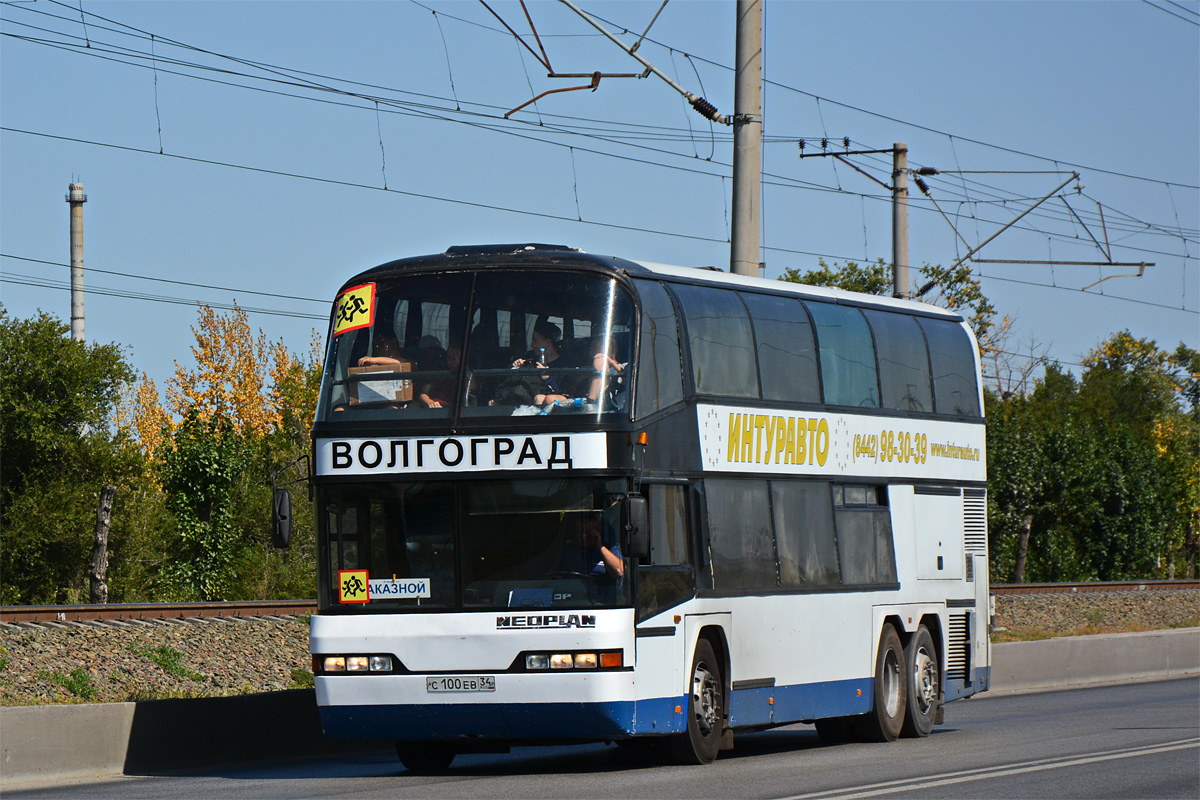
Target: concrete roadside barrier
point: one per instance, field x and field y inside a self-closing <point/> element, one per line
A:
<point x="1070" y="661"/>
<point x="48" y="745"/>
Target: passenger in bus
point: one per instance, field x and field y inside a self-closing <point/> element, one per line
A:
<point x="544" y="352"/>
<point x="440" y="392"/>
<point x="602" y="360"/>
<point x="593" y="549"/>
<point x="386" y="352"/>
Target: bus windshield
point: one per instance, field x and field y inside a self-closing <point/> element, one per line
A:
<point x="496" y="343"/>
<point x="428" y="545"/>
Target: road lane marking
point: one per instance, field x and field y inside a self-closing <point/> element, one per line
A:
<point x="964" y="776"/>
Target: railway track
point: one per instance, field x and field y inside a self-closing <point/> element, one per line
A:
<point x="1096" y="586"/>
<point x="118" y="612"/>
<point x="129" y="612"/>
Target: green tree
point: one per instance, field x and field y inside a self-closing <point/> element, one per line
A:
<point x="867" y="279"/>
<point x="56" y="397"/>
<point x="200" y="465"/>
<point x="1097" y="478"/>
<point x="248" y="404"/>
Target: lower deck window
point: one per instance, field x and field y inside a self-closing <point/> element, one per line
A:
<point x="764" y="535"/>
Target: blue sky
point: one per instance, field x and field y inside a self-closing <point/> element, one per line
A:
<point x="279" y="124"/>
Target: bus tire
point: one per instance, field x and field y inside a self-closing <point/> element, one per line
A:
<point x="699" y="743"/>
<point x="890" y="693"/>
<point x="924" y="687"/>
<point x="424" y="757"/>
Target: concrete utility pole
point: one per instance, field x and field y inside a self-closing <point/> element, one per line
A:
<point x="76" y="198"/>
<point x="900" y="221"/>
<point x="747" y="141"/>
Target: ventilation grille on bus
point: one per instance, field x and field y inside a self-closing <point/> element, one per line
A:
<point x="975" y="521"/>
<point x="958" y="647"/>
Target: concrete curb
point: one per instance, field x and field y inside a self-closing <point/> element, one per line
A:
<point x="50" y="745"/>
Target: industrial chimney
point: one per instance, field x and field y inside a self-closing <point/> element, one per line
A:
<point x="76" y="198"/>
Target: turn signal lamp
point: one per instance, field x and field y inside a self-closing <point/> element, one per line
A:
<point x="611" y="660"/>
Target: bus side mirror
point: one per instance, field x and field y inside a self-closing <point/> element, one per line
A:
<point x="637" y="525"/>
<point x="281" y="519"/>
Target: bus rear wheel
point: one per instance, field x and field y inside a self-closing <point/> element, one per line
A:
<point x="924" y="688"/>
<point x="705" y="710"/>
<point x="424" y="757"/>
<point x="886" y="717"/>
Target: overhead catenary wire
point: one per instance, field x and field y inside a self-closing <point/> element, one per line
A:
<point x="815" y="187"/>
<point x="417" y="195"/>
<point x="607" y="139"/>
<point x="628" y="158"/>
<point x="172" y="281"/>
<point x="699" y="58"/>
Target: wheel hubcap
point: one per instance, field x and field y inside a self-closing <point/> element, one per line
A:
<point x="891" y="683"/>
<point x="926" y="680"/>
<point x="704" y="699"/>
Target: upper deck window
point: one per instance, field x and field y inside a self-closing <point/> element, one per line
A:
<point x="395" y="348"/>
<point x="660" y="381"/>
<point x="903" y="361"/>
<point x="531" y="342"/>
<point x="548" y="343"/>
<point x="954" y="387"/>
<point x="787" y="354"/>
<point x="847" y="355"/>
<point x="721" y="343"/>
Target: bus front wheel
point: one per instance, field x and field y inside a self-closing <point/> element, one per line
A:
<point x="424" y="757"/>
<point x="886" y="718"/>
<point x="705" y="710"/>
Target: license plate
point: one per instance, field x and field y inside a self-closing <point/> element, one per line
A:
<point x="460" y="683"/>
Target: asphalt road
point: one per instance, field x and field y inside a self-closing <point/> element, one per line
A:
<point x="1140" y="740"/>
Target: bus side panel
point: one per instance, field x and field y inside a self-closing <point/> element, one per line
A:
<point x="659" y="677"/>
<point x="812" y="649"/>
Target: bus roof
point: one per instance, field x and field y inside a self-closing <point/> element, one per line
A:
<point x="534" y="254"/>
<point x="717" y="276"/>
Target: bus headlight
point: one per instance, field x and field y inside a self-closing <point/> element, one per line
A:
<point x="381" y="663"/>
<point x="585" y="661"/>
<point x="334" y="664"/>
<point x="537" y="661"/>
<point x="562" y="661"/>
<point x="356" y="664"/>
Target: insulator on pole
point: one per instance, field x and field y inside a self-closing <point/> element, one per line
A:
<point x="705" y="108"/>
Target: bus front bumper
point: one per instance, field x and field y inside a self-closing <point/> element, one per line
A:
<point x="597" y="706"/>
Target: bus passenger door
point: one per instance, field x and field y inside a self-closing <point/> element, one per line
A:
<point x="665" y="584"/>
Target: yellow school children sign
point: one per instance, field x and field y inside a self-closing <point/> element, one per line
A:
<point x="354" y="309"/>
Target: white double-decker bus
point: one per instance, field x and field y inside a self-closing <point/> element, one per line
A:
<point x="565" y="497"/>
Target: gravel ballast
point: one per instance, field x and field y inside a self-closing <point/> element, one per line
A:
<point x="116" y="662"/>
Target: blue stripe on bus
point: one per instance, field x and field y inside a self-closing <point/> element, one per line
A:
<point x="957" y="688"/>
<point x="801" y="701"/>
<point x="501" y="721"/>
<point x="613" y="720"/>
